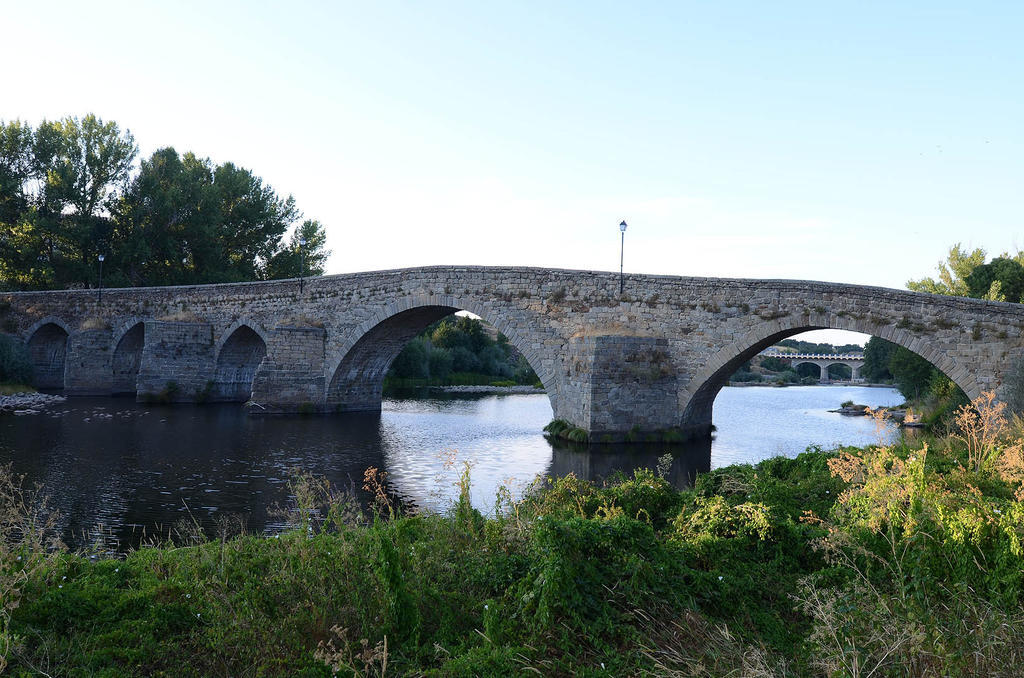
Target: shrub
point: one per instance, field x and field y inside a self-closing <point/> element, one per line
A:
<point x="15" y="361"/>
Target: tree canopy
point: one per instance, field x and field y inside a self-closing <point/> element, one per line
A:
<point x="966" y="274"/>
<point x="70" y="191"/>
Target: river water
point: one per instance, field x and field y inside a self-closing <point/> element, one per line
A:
<point x="118" y="471"/>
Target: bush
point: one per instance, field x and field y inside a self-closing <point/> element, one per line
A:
<point x="15" y="361"/>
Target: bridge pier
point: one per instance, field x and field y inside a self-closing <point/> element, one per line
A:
<point x="291" y="377"/>
<point x="177" y="361"/>
<point x="87" y="369"/>
<point x="617" y="384"/>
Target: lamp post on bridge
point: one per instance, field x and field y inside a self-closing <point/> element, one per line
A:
<point x="622" y="256"/>
<point x="99" y="290"/>
<point x="302" y="263"/>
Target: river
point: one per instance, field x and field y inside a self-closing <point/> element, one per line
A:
<point x="118" y="471"/>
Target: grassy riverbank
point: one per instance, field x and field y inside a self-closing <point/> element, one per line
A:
<point x="905" y="559"/>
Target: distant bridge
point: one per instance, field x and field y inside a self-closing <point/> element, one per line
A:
<point x="652" y="357"/>
<point x="822" y="360"/>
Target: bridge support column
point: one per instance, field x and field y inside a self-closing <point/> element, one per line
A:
<point x="291" y="377"/>
<point x="618" y="384"/>
<point x="87" y="369"/>
<point x="177" y="362"/>
<point x="823" y="379"/>
<point x="855" y="372"/>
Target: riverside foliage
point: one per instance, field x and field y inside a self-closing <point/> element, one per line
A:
<point x="459" y="350"/>
<point x="884" y="561"/>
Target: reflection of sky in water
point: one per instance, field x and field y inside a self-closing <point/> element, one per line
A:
<point x="133" y="467"/>
<point x="498" y="436"/>
<point x="757" y="422"/>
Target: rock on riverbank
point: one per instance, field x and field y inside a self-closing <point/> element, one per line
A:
<point x="28" y="403"/>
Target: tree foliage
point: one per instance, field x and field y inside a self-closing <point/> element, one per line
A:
<point x="69" y="191"/>
<point x="460" y="344"/>
<point x="877" y="353"/>
<point x="965" y="274"/>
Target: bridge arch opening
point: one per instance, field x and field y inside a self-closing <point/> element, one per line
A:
<point x="708" y="382"/>
<point x="355" y="377"/>
<point x="237" y="361"/>
<point x="127" y="359"/>
<point x="48" y="347"/>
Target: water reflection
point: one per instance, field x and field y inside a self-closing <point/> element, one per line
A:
<point x="598" y="465"/>
<point x="116" y="469"/>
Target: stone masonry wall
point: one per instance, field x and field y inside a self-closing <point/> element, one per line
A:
<point x="177" y="361"/>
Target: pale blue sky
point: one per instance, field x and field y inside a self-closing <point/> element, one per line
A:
<point x="850" y="142"/>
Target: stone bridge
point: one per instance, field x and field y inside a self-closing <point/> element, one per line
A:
<point x="651" y="358"/>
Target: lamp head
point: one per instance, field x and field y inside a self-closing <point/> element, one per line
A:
<point x="302" y="242"/>
<point x="101" y="257"/>
<point x="622" y="226"/>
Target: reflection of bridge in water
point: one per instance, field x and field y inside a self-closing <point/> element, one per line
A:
<point x="823" y="360"/>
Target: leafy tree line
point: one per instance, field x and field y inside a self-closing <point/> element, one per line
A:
<point x="70" y="190"/>
<point x="459" y="345"/>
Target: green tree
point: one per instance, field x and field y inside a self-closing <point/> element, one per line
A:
<point x="293" y="260"/>
<point x="912" y="374"/>
<point x="953" y="273"/>
<point x="57" y="183"/>
<point x="67" y="194"/>
<point x="877" y="353"/>
<point x="1002" y="279"/>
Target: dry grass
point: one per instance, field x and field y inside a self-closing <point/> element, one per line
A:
<point x="980" y="426"/>
<point x="95" y="324"/>
<point x="302" y="321"/>
<point x="693" y="647"/>
<point x="181" y="316"/>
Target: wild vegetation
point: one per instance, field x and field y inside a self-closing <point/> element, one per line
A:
<point x="70" y="191"/>
<point x="15" y="361"/>
<point x="900" y="560"/>
<point x="459" y="350"/>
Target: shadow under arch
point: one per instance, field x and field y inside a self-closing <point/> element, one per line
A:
<point x="47" y="343"/>
<point x="126" y="358"/>
<point x="699" y="396"/>
<point x="355" y="372"/>
<point x="239" y="354"/>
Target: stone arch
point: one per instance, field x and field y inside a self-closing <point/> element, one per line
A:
<point x="239" y="355"/>
<point x="229" y="332"/>
<point x="126" y="358"/>
<point x="355" y="369"/>
<point x="698" y="397"/>
<point x="48" y="347"/>
<point x="48" y="320"/>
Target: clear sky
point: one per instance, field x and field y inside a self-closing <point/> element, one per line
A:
<point x="849" y="142"/>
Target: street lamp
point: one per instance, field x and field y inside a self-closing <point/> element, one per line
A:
<point x="99" y="291"/>
<point x="622" y="254"/>
<point x="302" y="263"/>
